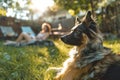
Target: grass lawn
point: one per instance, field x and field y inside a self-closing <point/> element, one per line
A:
<point x="31" y="62"/>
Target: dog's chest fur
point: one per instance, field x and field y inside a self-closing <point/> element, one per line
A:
<point x="95" y="54"/>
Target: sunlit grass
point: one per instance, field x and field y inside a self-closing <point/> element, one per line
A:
<point x="31" y="62"/>
<point x="114" y="45"/>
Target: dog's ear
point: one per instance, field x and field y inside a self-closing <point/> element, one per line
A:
<point x="88" y="16"/>
<point x="77" y="20"/>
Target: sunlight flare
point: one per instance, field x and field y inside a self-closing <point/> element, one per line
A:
<point x="41" y="5"/>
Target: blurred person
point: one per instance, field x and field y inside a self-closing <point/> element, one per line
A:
<point x="27" y="37"/>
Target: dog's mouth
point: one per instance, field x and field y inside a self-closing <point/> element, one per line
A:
<point x="71" y="40"/>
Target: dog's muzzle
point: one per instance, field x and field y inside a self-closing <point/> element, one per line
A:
<point x="63" y="39"/>
<point x="67" y="39"/>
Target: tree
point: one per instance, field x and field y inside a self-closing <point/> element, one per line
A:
<point x="79" y="5"/>
<point x="2" y="12"/>
<point x="15" y="6"/>
<point x="108" y="11"/>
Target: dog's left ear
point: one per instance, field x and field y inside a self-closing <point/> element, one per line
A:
<point x="88" y="16"/>
<point x="77" y="20"/>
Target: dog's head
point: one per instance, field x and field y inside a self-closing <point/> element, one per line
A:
<point x="87" y="27"/>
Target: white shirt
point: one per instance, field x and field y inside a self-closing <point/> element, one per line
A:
<point x="42" y="36"/>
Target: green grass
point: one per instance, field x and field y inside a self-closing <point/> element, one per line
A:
<point x="114" y="45"/>
<point x="31" y="62"/>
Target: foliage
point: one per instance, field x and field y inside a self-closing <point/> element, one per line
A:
<point x="15" y="6"/>
<point x="2" y="12"/>
<point x="32" y="62"/>
<point x="75" y="5"/>
<point x="81" y="5"/>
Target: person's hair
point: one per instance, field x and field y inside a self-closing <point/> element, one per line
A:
<point x="48" y="26"/>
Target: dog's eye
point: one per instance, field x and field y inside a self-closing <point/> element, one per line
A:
<point x="79" y="31"/>
<point x="76" y="33"/>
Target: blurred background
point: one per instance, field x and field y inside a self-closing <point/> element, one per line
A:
<point x="32" y="62"/>
<point x="17" y="13"/>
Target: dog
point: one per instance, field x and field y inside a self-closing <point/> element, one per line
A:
<point x="89" y="59"/>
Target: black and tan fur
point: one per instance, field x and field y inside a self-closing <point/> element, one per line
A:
<point x="83" y="63"/>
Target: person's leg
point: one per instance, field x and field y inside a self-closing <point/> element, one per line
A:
<point x="9" y="42"/>
<point x="23" y="36"/>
